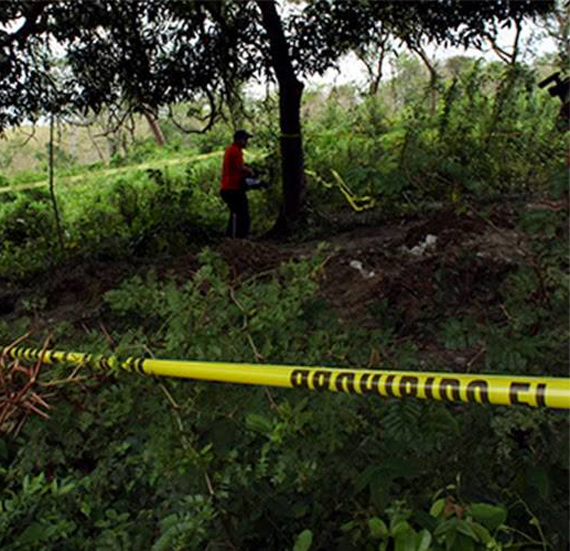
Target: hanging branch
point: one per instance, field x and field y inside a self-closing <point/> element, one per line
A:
<point x="209" y="119"/>
<point x="51" y="186"/>
<point x="116" y="120"/>
<point x="372" y="56"/>
<point x="433" y="74"/>
<point x="510" y="58"/>
<point x="30" y="136"/>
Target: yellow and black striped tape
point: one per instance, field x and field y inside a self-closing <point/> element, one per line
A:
<point x="551" y="392"/>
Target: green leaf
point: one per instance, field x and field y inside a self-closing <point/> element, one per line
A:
<point x="300" y="510"/>
<point x="445" y="527"/>
<point x="401" y="527"/>
<point x="406" y="541"/>
<point x="482" y="533"/>
<point x="423" y="541"/>
<point x="258" y="423"/>
<point x="85" y="508"/>
<point x="348" y="526"/>
<point x="437" y="508"/>
<point x="365" y="478"/>
<point x="450" y="538"/>
<point x="304" y="541"/>
<point x="378" y="528"/>
<point x="491" y="516"/>
<point x="464" y="528"/>
<point x="534" y="522"/>
<point x="66" y="488"/>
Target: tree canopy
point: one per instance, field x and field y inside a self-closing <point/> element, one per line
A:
<point x="85" y="54"/>
<point x="162" y="51"/>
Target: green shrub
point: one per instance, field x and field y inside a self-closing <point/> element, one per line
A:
<point x="176" y="462"/>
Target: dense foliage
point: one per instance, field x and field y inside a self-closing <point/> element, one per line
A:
<point x="157" y="52"/>
<point x="493" y="133"/>
<point x="127" y="462"/>
<point x="146" y="54"/>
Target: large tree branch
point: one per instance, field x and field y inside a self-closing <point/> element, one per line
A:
<point x="508" y="57"/>
<point x="373" y="61"/>
<point x="209" y="120"/>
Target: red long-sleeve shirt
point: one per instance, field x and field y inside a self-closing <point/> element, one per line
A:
<point x="232" y="171"/>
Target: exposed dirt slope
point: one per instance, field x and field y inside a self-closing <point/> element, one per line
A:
<point x="421" y="272"/>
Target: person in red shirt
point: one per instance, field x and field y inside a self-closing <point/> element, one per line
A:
<point x="237" y="178"/>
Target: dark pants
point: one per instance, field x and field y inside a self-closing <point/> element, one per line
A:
<point x="238" y="224"/>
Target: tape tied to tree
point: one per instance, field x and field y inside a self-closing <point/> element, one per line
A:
<point x="358" y="203"/>
<point x="549" y="392"/>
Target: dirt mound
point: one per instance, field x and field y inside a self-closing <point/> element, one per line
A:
<point x="448" y="226"/>
<point x="373" y="275"/>
<point x="398" y="274"/>
<point x="247" y="258"/>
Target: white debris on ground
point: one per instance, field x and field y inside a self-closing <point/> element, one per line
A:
<point x="427" y="244"/>
<point x="357" y="265"/>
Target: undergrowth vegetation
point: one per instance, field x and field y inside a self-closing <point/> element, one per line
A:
<point x="485" y="139"/>
<point x="130" y="462"/>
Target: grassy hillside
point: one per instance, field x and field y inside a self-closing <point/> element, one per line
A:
<point x="120" y="461"/>
<point x="25" y="149"/>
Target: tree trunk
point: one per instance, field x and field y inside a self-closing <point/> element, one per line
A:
<point x="292" y="165"/>
<point x="372" y="56"/>
<point x="433" y="76"/>
<point x="154" y="126"/>
<point x="290" y="94"/>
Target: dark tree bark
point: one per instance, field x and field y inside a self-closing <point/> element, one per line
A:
<point x="433" y="75"/>
<point x="290" y="94"/>
<point x="510" y="58"/>
<point x="157" y="132"/>
<point x="372" y="56"/>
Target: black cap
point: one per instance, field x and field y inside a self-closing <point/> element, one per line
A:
<point x="241" y="135"/>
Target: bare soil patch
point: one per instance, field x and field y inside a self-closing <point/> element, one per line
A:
<point x="372" y="274"/>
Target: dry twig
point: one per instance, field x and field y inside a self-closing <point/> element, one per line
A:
<point x="24" y="392"/>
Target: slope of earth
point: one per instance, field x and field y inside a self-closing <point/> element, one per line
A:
<point x="411" y="276"/>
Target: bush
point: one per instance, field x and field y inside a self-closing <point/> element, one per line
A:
<point x="214" y="465"/>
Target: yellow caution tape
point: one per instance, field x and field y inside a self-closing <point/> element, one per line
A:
<point x="107" y="173"/>
<point x="366" y="201"/>
<point x="551" y="392"/>
<point x="359" y="204"/>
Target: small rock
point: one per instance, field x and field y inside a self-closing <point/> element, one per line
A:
<point x="357" y="265"/>
<point x="430" y="240"/>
